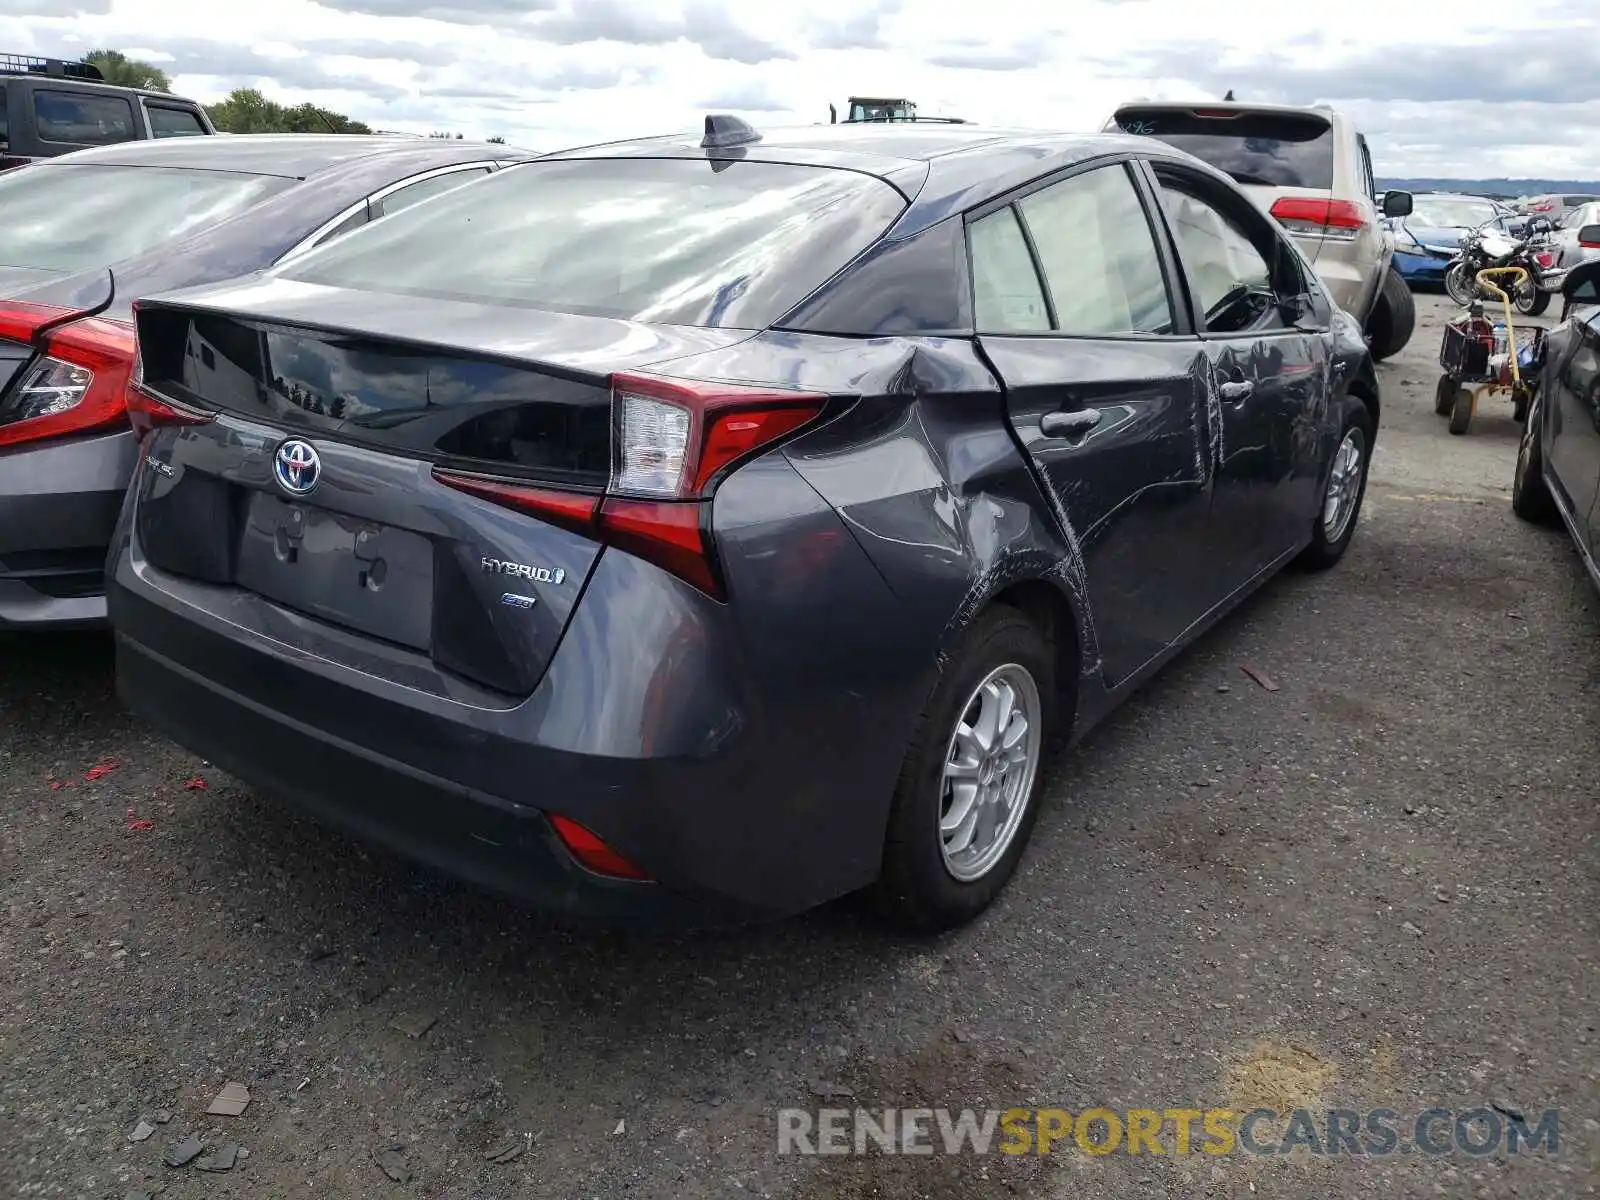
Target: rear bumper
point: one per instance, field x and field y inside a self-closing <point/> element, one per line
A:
<point x="481" y="839"/>
<point x="742" y="755"/>
<point x="58" y="506"/>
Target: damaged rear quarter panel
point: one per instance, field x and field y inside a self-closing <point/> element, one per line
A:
<point x="925" y="473"/>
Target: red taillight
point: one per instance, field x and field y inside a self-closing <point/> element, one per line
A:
<point x="1588" y="244"/>
<point x="675" y="439"/>
<point x="586" y="846"/>
<point x="1319" y="214"/>
<point x="76" y="384"/>
<point x="1545" y="259"/>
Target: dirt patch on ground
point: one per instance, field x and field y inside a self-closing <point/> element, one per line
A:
<point x="1279" y="1076"/>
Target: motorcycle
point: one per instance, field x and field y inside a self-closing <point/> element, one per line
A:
<point x="1487" y="247"/>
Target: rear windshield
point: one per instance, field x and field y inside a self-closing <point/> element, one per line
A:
<point x="1268" y="149"/>
<point x="63" y="217"/>
<point x="672" y="241"/>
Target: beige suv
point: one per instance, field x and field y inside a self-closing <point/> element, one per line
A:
<point x="1310" y="168"/>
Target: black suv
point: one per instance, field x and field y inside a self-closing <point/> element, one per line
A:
<point x="50" y="107"/>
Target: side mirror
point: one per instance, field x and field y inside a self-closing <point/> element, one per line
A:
<point x="1582" y="284"/>
<point x="1589" y="237"/>
<point x="1397" y="204"/>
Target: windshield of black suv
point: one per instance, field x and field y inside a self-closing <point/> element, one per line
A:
<point x="675" y="241"/>
<point x="70" y="217"/>
<point x="1265" y="148"/>
<point x="1451" y="212"/>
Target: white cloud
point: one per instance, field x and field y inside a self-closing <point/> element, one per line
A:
<point x="550" y="73"/>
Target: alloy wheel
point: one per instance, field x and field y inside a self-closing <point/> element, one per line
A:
<point x="1344" y="485"/>
<point x="990" y="763"/>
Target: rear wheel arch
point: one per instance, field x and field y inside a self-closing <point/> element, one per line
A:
<point x="1027" y="585"/>
<point x="1047" y="607"/>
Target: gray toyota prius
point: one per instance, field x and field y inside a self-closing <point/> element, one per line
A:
<point x="85" y="233"/>
<point x="700" y="528"/>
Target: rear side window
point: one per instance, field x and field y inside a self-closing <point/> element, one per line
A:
<point x="415" y="193"/>
<point x="174" y="122"/>
<point x="1007" y="297"/>
<point x="1098" y="255"/>
<point x="81" y="118"/>
<point x="1261" y="148"/>
<point x="5" y="121"/>
<point x="675" y="241"/>
<point x="75" y="216"/>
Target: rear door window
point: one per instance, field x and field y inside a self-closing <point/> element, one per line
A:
<point x="1262" y="148"/>
<point x="82" y="118"/>
<point x="174" y="122"/>
<point x="677" y="241"/>
<point x="1098" y="255"/>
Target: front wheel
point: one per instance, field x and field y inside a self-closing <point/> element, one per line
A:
<point x="1444" y="395"/>
<point x="968" y="793"/>
<point x="1335" y="522"/>
<point x="1460" y="282"/>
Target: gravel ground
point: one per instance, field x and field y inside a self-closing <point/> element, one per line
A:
<point x="1376" y="886"/>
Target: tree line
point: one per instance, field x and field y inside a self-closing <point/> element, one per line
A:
<point x="243" y="110"/>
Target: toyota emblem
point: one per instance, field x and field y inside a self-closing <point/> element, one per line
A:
<point x="297" y="467"/>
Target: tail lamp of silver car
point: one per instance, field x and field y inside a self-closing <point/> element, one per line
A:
<point x="1340" y="220"/>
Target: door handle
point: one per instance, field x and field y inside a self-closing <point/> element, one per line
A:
<point x="1069" y="424"/>
<point x="1237" y="391"/>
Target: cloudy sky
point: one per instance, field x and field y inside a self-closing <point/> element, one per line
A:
<point x="1471" y="88"/>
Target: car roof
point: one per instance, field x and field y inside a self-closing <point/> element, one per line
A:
<point x="943" y="168"/>
<point x="289" y="155"/>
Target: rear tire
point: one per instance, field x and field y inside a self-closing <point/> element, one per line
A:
<point x="1531" y="302"/>
<point x="1461" y="410"/>
<point x="1393" y="318"/>
<point x="1331" y="538"/>
<point x="919" y="888"/>
<point x="1530" y="494"/>
<point x="1444" y="395"/>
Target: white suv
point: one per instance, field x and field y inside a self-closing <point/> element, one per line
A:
<point x="1310" y="168"/>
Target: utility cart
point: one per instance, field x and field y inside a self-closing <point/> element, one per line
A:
<point x="1482" y="357"/>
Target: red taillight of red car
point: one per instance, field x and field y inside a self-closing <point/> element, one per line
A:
<point x="587" y="847"/>
<point x="1341" y="219"/>
<point x="675" y="439"/>
<point x="75" y="384"/>
<point x="82" y="380"/>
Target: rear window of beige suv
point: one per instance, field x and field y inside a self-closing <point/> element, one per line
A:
<point x="1260" y="148"/>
